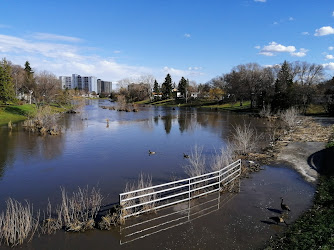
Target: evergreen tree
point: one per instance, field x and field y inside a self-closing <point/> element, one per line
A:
<point x="29" y="78"/>
<point x="283" y="96"/>
<point x="7" y="91"/>
<point x="182" y="87"/>
<point x="166" y="87"/>
<point x="156" y="88"/>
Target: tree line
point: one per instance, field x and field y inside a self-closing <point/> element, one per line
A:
<point x="17" y="82"/>
<point x="296" y="84"/>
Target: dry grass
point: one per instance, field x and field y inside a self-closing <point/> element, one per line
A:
<point x="17" y="223"/>
<point x="50" y="225"/>
<point x="245" y="139"/>
<point x="45" y="121"/>
<point x="223" y="158"/>
<point x="79" y="211"/>
<point x="145" y="181"/>
<point x="197" y="161"/>
<point x="290" y="117"/>
<point x="265" y="111"/>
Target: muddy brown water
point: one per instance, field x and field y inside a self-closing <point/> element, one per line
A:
<point x="90" y="153"/>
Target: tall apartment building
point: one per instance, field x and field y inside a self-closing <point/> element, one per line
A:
<point x="87" y="83"/>
<point x="66" y="82"/>
<point x="104" y="86"/>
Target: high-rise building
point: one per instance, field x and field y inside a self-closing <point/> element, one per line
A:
<point x="87" y="83"/>
<point x="104" y="86"/>
<point x="66" y="82"/>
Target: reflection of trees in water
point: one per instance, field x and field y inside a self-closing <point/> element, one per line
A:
<point x="167" y="120"/>
<point x="28" y="145"/>
<point x="7" y="146"/>
<point x="187" y="121"/>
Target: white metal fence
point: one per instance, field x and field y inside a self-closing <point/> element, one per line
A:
<point x="156" y="197"/>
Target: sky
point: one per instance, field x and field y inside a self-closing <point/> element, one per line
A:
<point x="196" y="39"/>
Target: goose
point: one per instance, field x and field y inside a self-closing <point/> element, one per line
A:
<point x="185" y="155"/>
<point x="284" y="206"/>
<point x="278" y="219"/>
<point x="151" y="152"/>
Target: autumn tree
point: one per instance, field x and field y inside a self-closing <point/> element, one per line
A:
<point x="7" y="92"/>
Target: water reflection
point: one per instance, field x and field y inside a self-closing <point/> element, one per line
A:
<point x="174" y="216"/>
<point x="89" y="152"/>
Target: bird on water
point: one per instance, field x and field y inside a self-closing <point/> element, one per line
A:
<point x="185" y="155"/>
<point x="151" y="152"/>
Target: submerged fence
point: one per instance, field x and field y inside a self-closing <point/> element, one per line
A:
<point x="156" y="197"/>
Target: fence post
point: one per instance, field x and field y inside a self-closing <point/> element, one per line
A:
<point x="189" y="198"/>
<point x="219" y="180"/>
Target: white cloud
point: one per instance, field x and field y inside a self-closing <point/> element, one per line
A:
<point x="54" y="37"/>
<point x="333" y="13"/>
<point x="300" y="53"/>
<point x="117" y="51"/>
<point x="257" y="47"/>
<point x="329" y="57"/>
<point x="274" y="48"/>
<point x="323" y="31"/>
<point x="275" y="23"/>
<point x="187" y="35"/>
<point x="63" y="59"/>
<point x="330" y="48"/>
<point x="329" y="66"/>
<point x="262" y="1"/>
<point x="291" y="19"/>
<point x="305" y="33"/>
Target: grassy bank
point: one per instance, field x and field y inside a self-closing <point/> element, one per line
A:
<point x="200" y="103"/>
<point x="15" y="113"/>
<point x="314" y="229"/>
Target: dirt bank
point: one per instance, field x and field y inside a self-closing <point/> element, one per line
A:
<point x="300" y="147"/>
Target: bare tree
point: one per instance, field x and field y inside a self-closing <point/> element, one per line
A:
<point x="47" y="87"/>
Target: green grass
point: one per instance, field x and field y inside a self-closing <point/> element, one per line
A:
<point x="15" y="113"/>
<point x="315" y="110"/>
<point x="231" y="106"/>
<point x="201" y="103"/>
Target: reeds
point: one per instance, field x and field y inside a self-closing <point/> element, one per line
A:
<point x="245" y="139"/>
<point x="79" y="210"/>
<point x="144" y="181"/>
<point x="196" y="160"/>
<point x="17" y="224"/>
<point x="223" y="158"/>
<point x="50" y="224"/>
<point x="290" y="117"/>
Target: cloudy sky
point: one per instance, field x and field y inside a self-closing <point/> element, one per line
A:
<point x="197" y="39"/>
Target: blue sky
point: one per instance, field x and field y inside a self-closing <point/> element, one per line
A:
<point x="117" y="39"/>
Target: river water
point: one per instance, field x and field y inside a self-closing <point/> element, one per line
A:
<point x="89" y="152"/>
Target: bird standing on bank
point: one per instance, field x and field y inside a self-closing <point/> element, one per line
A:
<point x="284" y="206"/>
<point x="278" y="219"/>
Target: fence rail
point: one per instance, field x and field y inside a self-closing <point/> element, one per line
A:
<point x="159" y="196"/>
